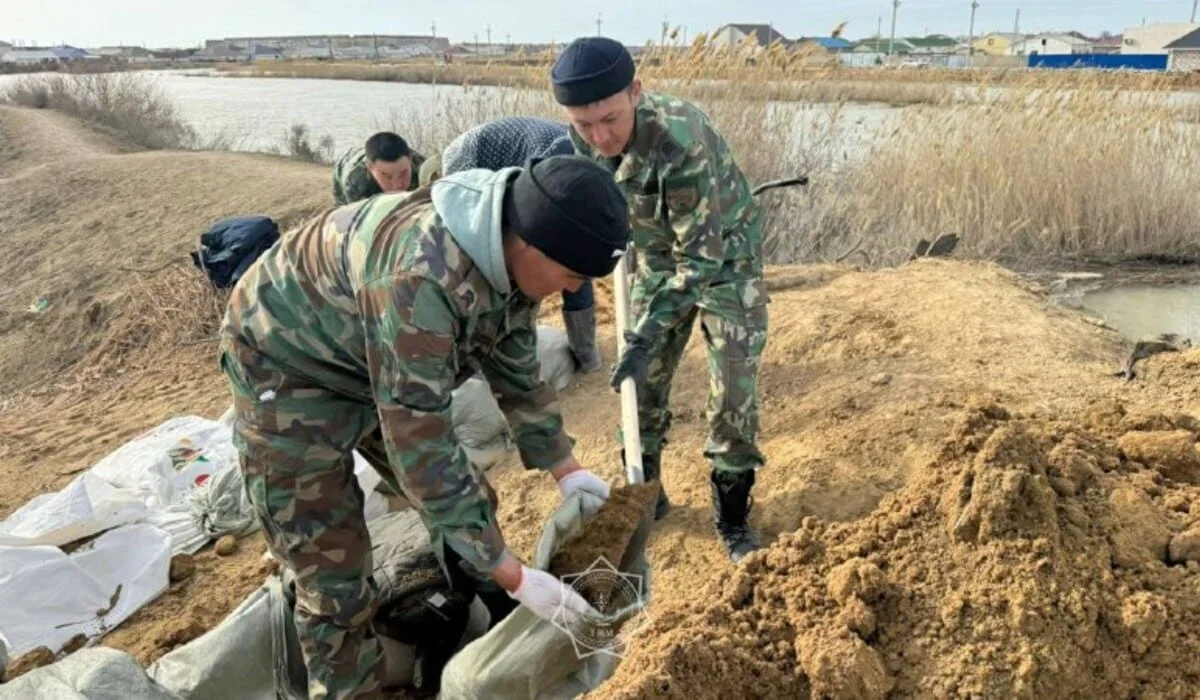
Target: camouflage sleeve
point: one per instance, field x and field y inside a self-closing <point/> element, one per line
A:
<point x="693" y="205"/>
<point x="358" y="183"/>
<point x="528" y="402"/>
<point x="339" y="193"/>
<point x="416" y="160"/>
<point x="411" y="328"/>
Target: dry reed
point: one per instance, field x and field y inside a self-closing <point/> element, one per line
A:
<point x="173" y="307"/>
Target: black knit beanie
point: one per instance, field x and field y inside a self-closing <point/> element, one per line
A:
<point x="571" y="209"/>
<point x="591" y="69"/>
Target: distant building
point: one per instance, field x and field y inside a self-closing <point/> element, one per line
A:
<point x="1107" y="44"/>
<point x="731" y="36"/>
<point x="126" y="54"/>
<point x="1051" y="45"/>
<point x="881" y="45"/>
<point x="1153" y="38"/>
<point x="823" y="44"/>
<point x="1183" y="54"/>
<point x="934" y="44"/>
<point x="258" y="52"/>
<point x="33" y="56"/>
<point x="997" y="43"/>
<point x="331" y="46"/>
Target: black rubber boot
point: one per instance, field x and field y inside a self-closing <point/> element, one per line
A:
<point x="498" y="603"/>
<point x="581" y="335"/>
<point x="731" y="512"/>
<point x="652" y="470"/>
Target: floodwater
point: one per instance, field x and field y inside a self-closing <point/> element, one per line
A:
<point x="1139" y="311"/>
<point x="255" y="114"/>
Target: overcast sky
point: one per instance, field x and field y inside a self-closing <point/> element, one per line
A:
<point x="160" y="23"/>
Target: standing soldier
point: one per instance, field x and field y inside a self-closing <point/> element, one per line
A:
<point x="511" y="142"/>
<point x="384" y="163"/>
<point x="370" y="315"/>
<point x="698" y="237"/>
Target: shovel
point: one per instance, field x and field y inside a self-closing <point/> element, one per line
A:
<point x="629" y="414"/>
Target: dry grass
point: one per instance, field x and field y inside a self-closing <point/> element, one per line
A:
<point x="173" y="307"/>
<point x="126" y="105"/>
<point x="1036" y="174"/>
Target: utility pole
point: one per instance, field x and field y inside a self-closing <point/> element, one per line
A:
<point x="599" y="21"/>
<point x="476" y="43"/>
<point x="433" y="30"/>
<point x="489" y="36"/>
<point x="1017" y="22"/>
<point x="662" y="41"/>
<point x="507" y="42"/>
<point x="971" y="34"/>
<point x="1194" y="4"/>
<point x="892" y="41"/>
<point x="879" y="27"/>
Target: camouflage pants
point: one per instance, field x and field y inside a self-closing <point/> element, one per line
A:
<point x="295" y="440"/>
<point x="735" y="335"/>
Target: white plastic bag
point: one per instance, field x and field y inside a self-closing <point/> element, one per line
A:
<point x="554" y="355"/>
<point x="47" y="597"/>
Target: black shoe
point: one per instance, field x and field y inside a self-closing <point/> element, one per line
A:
<point x="652" y="471"/>
<point x="731" y="512"/>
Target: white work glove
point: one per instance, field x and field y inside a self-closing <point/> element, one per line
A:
<point x="582" y="479"/>
<point x="544" y="595"/>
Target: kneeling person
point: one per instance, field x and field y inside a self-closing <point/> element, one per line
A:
<point x="370" y="315"/>
<point x="385" y="163"/>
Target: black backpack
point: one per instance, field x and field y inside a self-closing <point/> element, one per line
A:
<point x="230" y="246"/>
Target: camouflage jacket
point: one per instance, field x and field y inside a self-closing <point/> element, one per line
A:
<point x="353" y="182"/>
<point x="694" y="223"/>
<point x="381" y="302"/>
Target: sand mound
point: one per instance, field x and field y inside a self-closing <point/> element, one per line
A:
<point x="1026" y="560"/>
<point x="30" y="138"/>
<point x="77" y="232"/>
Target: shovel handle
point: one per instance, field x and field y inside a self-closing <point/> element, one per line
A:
<point x="629" y="412"/>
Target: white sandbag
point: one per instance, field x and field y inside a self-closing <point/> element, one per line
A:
<point x="246" y="656"/>
<point x="479" y="425"/>
<point x="47" y="597"/>
<point x="527" y="657"/>
<point x="84" y="507"/>
<point x="554" y="354"/>
<point x="144" y="476"/>
<point x="98" y="673"/>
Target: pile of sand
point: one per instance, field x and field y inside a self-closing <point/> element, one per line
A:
<point x="1030" y="559"/>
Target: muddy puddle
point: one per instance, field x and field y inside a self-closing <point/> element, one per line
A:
<point x="1136" y="303"/>
<point x="1138" y="311"/>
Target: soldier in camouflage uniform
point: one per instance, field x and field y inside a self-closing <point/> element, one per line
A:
<point x="696" y="229"/>
<point x="385" y="163"/>
<point x="369" y="315"/>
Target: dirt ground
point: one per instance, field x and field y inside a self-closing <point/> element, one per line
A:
<point x="959" y="497"/>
